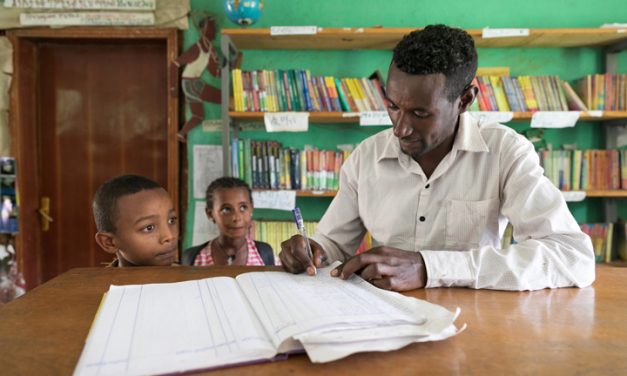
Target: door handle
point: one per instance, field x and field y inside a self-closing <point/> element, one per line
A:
<point x="44" y="212"/>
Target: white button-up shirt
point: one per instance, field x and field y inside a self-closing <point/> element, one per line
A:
<point x="457" y="216"/>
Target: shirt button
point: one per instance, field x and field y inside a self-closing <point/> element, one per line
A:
<point x="422" y="219"/>
<point x="427" y="186"/>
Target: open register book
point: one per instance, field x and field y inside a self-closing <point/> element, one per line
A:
<point x="256" y="317"/>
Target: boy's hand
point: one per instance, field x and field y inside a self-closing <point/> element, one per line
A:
<point x="387" y="268"/>
<point x="294" y="256"/>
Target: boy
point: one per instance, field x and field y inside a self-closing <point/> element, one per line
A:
<point x="136" y="222"/>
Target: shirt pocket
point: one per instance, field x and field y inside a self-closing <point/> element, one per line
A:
<point x="470" y="224"/>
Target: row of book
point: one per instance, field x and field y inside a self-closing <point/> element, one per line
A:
<point x="603" y="91"/>
<point x="525" y="94"/>
<point x="297" y="90"/>
<point x="581" y="170"/>
<point x="275" y="232"/>
<point x="268" y="165"/>
<point x="609" y="240"/>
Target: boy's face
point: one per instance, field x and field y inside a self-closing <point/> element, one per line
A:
<point x="232" y="211"/>
<point x="147" y="229"/>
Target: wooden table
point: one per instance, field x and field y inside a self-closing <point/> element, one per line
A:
<point x="548" y="332"/>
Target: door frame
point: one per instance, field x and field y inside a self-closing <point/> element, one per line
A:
<point x="23" y="124"/>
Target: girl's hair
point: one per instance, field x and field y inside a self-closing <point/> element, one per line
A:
<point x="226" y="183"/>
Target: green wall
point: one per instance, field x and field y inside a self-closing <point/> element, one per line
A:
<point x="569" y="64"/>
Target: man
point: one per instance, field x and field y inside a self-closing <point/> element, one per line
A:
<point x="437" y="190"/>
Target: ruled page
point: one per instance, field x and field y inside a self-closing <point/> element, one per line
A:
<point x="288" y="304"/>
<point x="173" y="327"/>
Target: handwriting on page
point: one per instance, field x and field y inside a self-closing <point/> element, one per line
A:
<point x="286" y="121"/>
<point x="293" y="30"/>
<point x="367" y="118"/>
<point x="554" y="119"/>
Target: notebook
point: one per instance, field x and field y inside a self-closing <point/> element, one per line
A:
<point x="255" y="317"/>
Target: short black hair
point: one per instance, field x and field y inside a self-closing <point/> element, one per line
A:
<point x="439" y="49"/>
<point x="226" y="182"/>
<point x="108" y="194"/>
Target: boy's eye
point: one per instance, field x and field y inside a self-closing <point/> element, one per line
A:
<point x="392" y="106"/>
<point x="243" y="208"/>
<point x="225" y="210"/>
<point x="172" y="220"/>
<point x="420" y="114"/>
<point x="148" y="228"/>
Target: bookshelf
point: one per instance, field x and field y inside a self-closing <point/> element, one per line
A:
<point x="386" y="38"/>
<point x="353" y="117"/>
<point x="610" y="41"/>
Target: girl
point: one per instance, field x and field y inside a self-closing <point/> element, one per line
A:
<point x="230" y="207"/>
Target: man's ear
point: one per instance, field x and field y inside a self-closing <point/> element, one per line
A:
<point x="106" y="241"/>
<point x="210" y="215"/>
<point x="468" y="96"/>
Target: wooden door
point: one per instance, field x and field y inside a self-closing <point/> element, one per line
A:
<point x="90" y="104"/>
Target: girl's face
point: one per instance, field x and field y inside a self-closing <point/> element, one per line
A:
<point x="232" y="211"/>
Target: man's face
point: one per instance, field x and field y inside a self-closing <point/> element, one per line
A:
<point x="422" y="116"/>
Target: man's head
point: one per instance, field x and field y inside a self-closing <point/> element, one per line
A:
<point x="136" y="221"/>
<point x="429" y="85"/>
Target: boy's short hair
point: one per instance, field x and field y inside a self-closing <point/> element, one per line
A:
<point x="439" y="49"/>
<point x="226" y="182"/>
<point x="107" y="196"/>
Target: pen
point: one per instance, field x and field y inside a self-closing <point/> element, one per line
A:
<point x="300" y="225"/>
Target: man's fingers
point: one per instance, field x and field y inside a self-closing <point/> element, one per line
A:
<point x="288" y="263"/>
<point x="377" y="271"/>
<point x="294" y="256"/>
<point x="383" y="283"/>
<point x="357" y="263"/>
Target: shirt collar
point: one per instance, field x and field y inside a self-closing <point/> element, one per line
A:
<point x="468" y="138"/>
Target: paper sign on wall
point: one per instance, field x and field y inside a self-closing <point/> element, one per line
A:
<point x="503" y="33"/>
<point x="83" y="4"/>
<point x="207" y="167"/>
<point x="554" y="119"/>
<point x="204" y="230"/>
<point x="293" y="30"/>
<point x="286" y="121"/>
<point x="574" y="196"/>
<point x="87" y="19"/>
<point x="493" y="116"/>
<point x="368" y="118"/>
<point x="280" y="200"/>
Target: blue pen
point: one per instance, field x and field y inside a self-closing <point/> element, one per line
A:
<point x="300" y="225"/>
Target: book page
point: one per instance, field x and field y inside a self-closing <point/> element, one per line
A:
<point x="173" y="327"/>
<point x="288" y="304"/>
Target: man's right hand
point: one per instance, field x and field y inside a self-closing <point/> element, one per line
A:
<point x="295" y="259"/>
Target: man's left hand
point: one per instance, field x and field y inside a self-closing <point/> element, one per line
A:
<point x="387" y="268"/>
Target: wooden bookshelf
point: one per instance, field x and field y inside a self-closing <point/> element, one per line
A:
<point x="386" y="38"/>
<point x="353" y="117"/>
<point x="597" y="193"/>
<point x="305" y="193"/>
<point x="607" y="193"/>
<point x="316" y="193"/>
